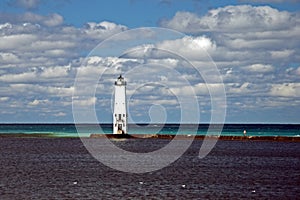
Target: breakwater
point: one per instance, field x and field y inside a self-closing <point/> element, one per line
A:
<point x="199" y="137"/>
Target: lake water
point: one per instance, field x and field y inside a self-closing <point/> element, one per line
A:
<point x="61" y="168"/>
<point x="291" y="130"/>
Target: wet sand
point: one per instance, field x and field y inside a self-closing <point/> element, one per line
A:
<point x="61" y="168"/>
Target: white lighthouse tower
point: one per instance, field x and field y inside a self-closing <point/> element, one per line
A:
<point x="120" y="109"/>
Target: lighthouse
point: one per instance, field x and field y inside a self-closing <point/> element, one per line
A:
<point x="120" y="109"/>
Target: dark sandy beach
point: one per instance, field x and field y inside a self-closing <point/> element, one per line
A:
<point x="61" y="168"/>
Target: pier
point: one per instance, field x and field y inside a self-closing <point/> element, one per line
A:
<point x="198" y="137"/>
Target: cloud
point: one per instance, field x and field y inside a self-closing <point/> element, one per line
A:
<point x="50" y="20"/>
<point x="242" y="18"/>
<point x="259" y="68"/>
<point x="55" y="72"/>
<point x="4" y="98"/>
<point x="9" y="58"/>
<point x="286" y="90"/>
<point x="27" y="89"/>
<point x="187" y="47"/>
<point x="184" y="21"/>
<point x="53" y="20"/>
<point x="21" y="77"/>
<point x="27" y="4"/>
<point x="38" y="75"/>
<point x="282" y="54"/>
<point x="242" y="36"/>
<point x="10" y="42"/>
<point x="34" y="102"/>
<point x="298" y="71"/>
<point x="238" y="88"/>
<point x="37" y="102"/>
<point x="30" y="40"/>
<point x="102" y="29"/>
<point x="253" y="47"/>
<point x="83" y="102"/>
<point x="28" y="18"/>
<point x="269" y="1"/>
<point x="60" y="114"/>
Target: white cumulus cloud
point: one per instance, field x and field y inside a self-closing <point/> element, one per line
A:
<point x="286" y="90"/>
<point x="259" y="68"/>
<point x="102" y="29"/>
<point x="242" y="18"/>
<point x="255" y="48"/>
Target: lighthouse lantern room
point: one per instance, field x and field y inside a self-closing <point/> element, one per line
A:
<point x="120" y="109"/>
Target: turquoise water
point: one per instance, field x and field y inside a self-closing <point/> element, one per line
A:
<point x="69" y="130"/>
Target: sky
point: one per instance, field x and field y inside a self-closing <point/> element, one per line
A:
<point x="181" y="60"/>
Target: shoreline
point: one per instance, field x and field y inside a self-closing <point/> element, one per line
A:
<point x="158" y="136"/>
<point x="199" y="137"/>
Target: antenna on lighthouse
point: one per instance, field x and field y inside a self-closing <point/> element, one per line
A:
<point x="120" y="109"/>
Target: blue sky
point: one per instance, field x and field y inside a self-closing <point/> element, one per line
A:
<point x="132" y="13"/>
<point x="254" y="44"/>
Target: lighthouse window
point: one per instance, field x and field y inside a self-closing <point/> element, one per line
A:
<point x="120" y="116"/>
<point x="123" y="115"/>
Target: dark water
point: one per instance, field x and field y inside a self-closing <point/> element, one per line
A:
<point x="61" y="168"/>
<point x="291" y="130"/>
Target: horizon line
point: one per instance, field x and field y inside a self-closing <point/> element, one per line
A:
<point x="144" y="123"/>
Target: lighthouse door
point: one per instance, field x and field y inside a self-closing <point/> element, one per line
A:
<point x="120" y="128"/>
